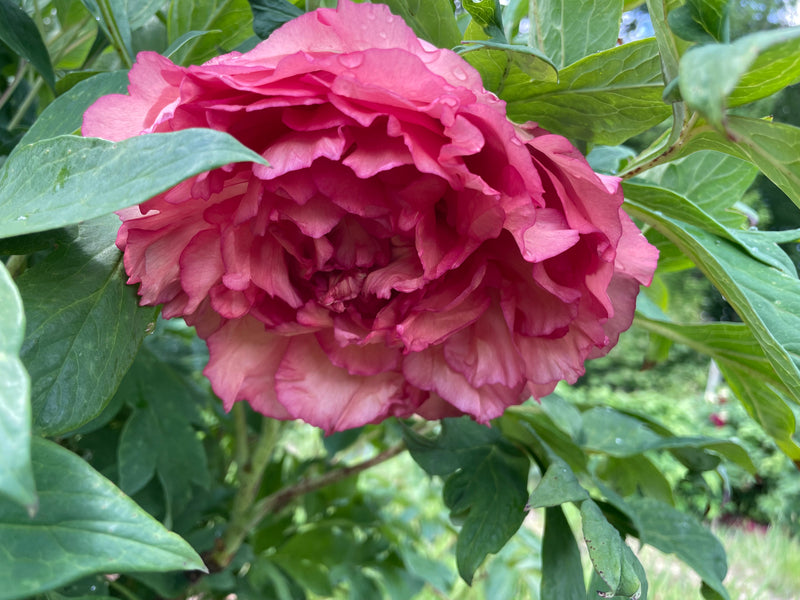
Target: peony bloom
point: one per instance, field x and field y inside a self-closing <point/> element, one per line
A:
<point x="408" y="250"/>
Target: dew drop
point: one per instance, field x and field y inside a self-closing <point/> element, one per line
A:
<point x="351" y="61"/>
<point x="150" y="328"/>
<point x="22" y="218"/>
<point x="460" y="74"/>
<point x="617" y="441"/>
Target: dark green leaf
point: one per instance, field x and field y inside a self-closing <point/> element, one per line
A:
<point x="568" y="30"/>
<point x="432" y="20"/>
<point x="64" y="115"/>
<point x="69" y="179"/>
<point x="559" y="485"/>
<point x="755" y="66"/>
<point x="159" y="436"/>
<point x="268" y="15"/>
<point x="702" y="20"/>
<point x="232" y="18"/>
<point x="486" y="485"/>
<point x="604" y="98"/>
<point x="675" y="532"/>
<point x="84" y="525"/>
<point x="16" y="473"/>
<point x="606" y="551"/>
<point x="562" y="571"/>
<point x="84" y="327"/>
<point x="20" y="33"/>
<point x="636" y="474"/>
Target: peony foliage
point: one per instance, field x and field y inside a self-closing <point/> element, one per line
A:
<point x="401" y="224"/>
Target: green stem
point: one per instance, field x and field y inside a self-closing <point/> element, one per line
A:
<point x="23" y="108"/>
<point x="114" y="33"/>
<point x="241" y="454"/>
<point x="276" y="501"/>
<point x="18" y="77"/>
<point x="123" y="591"/>
<point x="16" y="265"/>
<point x="665" y="155"/>
<point x="250" y="476"/>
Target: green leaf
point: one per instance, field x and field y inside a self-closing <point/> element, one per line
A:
<point x="432" y="20"/>
<point x="606" y="551"/>
<point x="562" y="571"/>
<point x="604" y="98"/>
<point x="620" y="435"/>
<point x="69" y="179"/>
<point x="485" y="487"/>
<point x="636" y="474"/>
<point x="84" y="525"/>
<point x="760" y="246"/>
<point x="16" y="473"/>
<point x="64" y="116"/>
<point x="185" y="39"/>
<point x="232" y="18"/>
<point x="504" y="64"/>
<point x="713" y="181"/>
<point x="676" y="532"/>
<point x="715" y="76"/>
<point x="84" y="327"/>
<point x="767" y="299"/>
<point x="20" y="33"/>
<point x="746" y="369"/>
<point x="112" y="16"/>
<point x="159" y="437"/>
<point x="140" y="11"/>
<point x="559" y="485"/>
<point x="268" y="15"/>
<point x="702" y="20"/>
<point x="569" y="30"/>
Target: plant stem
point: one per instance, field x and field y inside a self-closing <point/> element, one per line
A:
<point x="276" y="501"/>
<point x="20" y="114"/>
<point x="665" y="155"/>
<point x="18" y="76"/>
<point x="250" y="475"/>
<point x="16" y="265"/>
<point x="241" y="454"/>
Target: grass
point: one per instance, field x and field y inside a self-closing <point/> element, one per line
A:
<point x="762" y="565"/>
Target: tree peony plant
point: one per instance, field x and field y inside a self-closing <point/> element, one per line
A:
<point x="407" y="250"/>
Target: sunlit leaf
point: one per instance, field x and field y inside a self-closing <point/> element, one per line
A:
<point x="16" y="474"/>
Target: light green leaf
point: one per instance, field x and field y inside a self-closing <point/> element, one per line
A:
<point x="485" y="488"/>
<point x="606" y="551"/>
<point x="185" y="39"/>
<point x="84" y="327"/>
<point x="715" y="76"/>
<point x="604" y="98"/>
<point x="636" y="475"/>
<point x="758" y="245"/>
<point x="715" y="182"/>
<point x="559" y="485"/>
<point x="569" y="30"/>
<point x="69" y="179"/>
<point x="20" y="33"/>
<point x="432" y="20"/>
<point x="676" y="532"/>
<point x="767" y="299"/>
<point x="84" y="525"/>
<point x="504" y="64"/>
<point x="16" y="473"/>
<point x="233" y="19"/>
<point x="64" y="116"/>
<point x="562" y="571"/>
<point x="140" y="11"/>
<point x="746" y="369"/>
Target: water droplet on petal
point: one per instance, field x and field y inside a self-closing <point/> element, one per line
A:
<point x="460" y="74"/>
<point x="351" y="61"/>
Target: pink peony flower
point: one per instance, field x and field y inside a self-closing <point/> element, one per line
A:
<point x="409" y="250"/>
